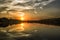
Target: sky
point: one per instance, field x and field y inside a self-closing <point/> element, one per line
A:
<point x="39" y="9"/>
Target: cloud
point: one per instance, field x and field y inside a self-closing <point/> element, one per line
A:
<point x="24" y="4"/>
<point x="3" y="8"/>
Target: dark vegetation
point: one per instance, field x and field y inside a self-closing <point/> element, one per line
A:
<point x="4" y="22"/>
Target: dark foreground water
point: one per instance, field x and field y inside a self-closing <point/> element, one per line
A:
<point x="32" y="31"/>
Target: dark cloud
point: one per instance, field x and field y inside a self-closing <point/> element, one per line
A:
<point x="3" y="9"/>
<point x="4" y="1"/>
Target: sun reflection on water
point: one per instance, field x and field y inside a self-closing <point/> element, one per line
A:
<point x="22" y="26"/>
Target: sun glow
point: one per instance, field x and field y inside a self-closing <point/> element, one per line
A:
<point x="22" y="18"/>
<point x="21" y="14"/>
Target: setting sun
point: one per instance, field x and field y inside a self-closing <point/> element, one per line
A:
<point x="22" y="18"/>
<point x="21" y="14"/>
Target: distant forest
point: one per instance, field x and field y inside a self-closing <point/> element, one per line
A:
<point x="4" y="22"/>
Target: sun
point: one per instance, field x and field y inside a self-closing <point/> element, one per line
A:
<point x="21" y="15"/>
<point x="22" y="18"/>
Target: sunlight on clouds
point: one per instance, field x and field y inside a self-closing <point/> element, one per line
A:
<point x="21" y="1"/>
<point x="21" y="14"/>
<point x="34" y="3"/>
<point x="25" y="4"/>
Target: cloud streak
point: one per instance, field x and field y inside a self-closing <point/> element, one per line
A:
<point x="24" y="4"/>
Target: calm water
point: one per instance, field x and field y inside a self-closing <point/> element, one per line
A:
<point x="30" y="31"/>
